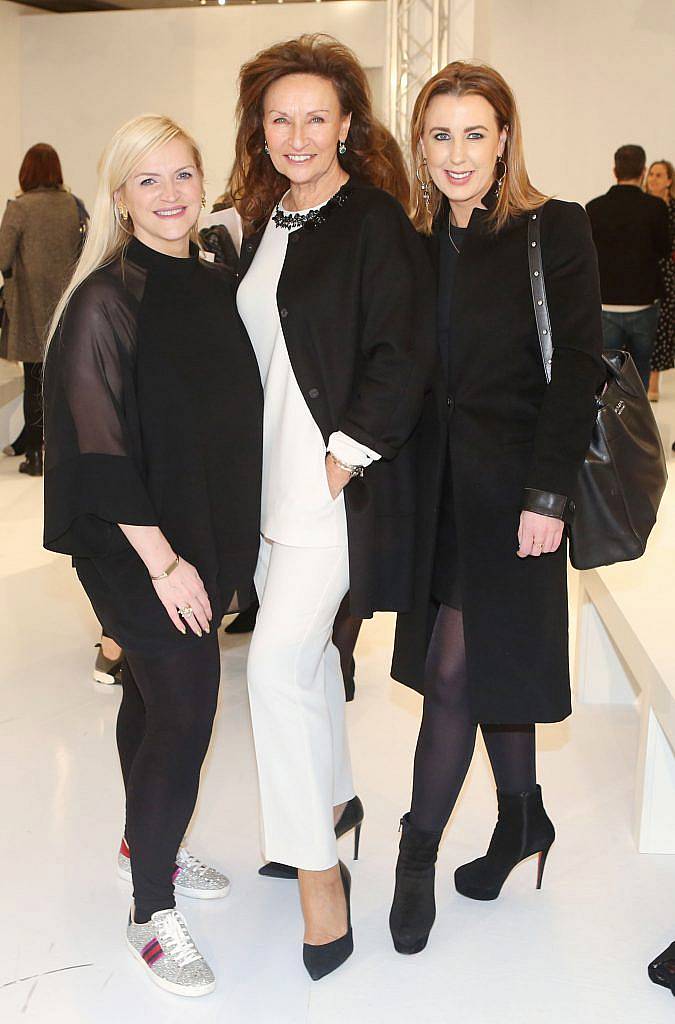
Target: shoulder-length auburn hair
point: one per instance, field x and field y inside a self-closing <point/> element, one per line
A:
<point x="40" y="168"/>
<point x="465" y="78"/>
<point x="255" y="185"/>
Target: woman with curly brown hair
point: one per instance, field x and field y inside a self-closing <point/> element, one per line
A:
<point x="337" y="299"/>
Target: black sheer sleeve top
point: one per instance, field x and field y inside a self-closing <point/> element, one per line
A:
<point x="153" y="417"/>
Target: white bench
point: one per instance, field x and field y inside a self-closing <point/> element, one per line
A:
<point x="626" y="655"/>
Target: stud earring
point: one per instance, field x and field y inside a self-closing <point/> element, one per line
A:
<point x="123" y="211"/>
<point x="425" y="185"/>
<point x="342" y="148"/>
<point x="267" y="149"/>
<point x="203" y="200"/>
<point x="499" y="178"/>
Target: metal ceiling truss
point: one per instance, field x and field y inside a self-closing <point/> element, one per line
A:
<point x="423" y="36"/>
<point x="418" y="48"/>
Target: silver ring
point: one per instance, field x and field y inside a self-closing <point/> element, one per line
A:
<point x="186" y="611"/>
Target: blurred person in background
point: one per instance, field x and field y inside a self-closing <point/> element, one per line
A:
<point x="40" y="237"/>
<point x="630" y="231"/>
<point x="661" y="183"/>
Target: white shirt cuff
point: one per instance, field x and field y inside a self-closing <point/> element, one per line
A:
<point x="349" y="451"/>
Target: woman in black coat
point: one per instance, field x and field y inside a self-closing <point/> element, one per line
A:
<point x="487" y="640"/>
<point x="153" y="437"/>
<point x="336" y="294"/>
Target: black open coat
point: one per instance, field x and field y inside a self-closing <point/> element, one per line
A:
<point x="356" y="300"/>
<point x="513" y="442"/>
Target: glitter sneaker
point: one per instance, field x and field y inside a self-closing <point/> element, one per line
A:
<point x="166" y="949"/>
<point x="191" y="877"/>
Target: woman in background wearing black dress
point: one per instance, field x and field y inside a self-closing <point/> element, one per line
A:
<point x="487" y="643"/>
<point x="153" y="439"/>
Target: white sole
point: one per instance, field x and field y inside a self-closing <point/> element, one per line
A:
<point x="169" y="986"/>
<point x="105" y="678"/>
<point x="192" y="894"/>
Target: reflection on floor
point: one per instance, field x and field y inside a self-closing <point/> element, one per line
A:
<point x="576" y="951"/>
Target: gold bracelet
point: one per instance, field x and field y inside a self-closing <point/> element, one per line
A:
<point x="167" y="572"/>
<point x="352" y="470"/>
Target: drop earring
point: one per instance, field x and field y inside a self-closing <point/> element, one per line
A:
<point x="425" y="185"/>
<point x="267" y="149"/>
<point x="123" y="211"/>
<point x="499" y="178"/>
<point x="342" y="148"/>
<point x="203" y="200"/>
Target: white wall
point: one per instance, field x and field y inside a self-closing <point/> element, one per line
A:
<point x="589" y="76"/>
<point x="10" y="99"/>
<point x="85" y="74"/>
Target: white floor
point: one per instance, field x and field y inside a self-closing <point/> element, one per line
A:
<point x="576" y="951"/>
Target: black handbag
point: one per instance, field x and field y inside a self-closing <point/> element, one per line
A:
<point x="623" y="477"/>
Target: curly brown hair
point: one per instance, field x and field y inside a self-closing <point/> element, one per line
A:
<point x="372" y="156"/>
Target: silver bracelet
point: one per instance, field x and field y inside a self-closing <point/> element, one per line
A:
<point x="167" y="572"/>
<point x="352" y="470"/>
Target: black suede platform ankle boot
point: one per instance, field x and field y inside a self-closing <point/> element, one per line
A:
<point x="414" y="908"/>
<point x="523" y="829"/>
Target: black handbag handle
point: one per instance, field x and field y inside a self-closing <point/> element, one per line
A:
<point x="539" y="291"/>
<point x="541" y="313"/>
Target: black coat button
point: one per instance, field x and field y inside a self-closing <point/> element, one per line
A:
<point x="283" y="313"/>
<point x="313" y="392"/>
<point x="249" y="247"/>
<point x="451" y="404"/>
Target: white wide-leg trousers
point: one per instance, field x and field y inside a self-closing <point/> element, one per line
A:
<point x="297" y="701"/>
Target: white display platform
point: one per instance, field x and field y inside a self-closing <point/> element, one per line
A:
<point x="626" y="655"/>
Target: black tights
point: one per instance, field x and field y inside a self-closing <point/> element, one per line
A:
<point x="448" y="733"/>
<point x="32" y="407"/>
<point x="163" y="732"/>
<point x="346" y="629"/>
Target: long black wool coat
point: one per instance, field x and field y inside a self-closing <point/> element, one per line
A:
<point x="513" y="442"/>
<point x="356" y="300"/>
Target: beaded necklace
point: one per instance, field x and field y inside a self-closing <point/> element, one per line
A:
<point x="312" y="218"/>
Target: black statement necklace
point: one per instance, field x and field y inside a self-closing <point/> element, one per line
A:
<point x="312" y="219"/>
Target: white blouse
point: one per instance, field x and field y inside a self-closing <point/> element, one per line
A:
<point x="297" y="507"/>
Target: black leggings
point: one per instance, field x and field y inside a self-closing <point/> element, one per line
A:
<point x="32" y="406"/>
<point x="163" y="732"/>
<point x="448" y="733"/>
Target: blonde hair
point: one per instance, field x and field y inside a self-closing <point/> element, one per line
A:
<point x="108" y="235"/>
<point x="465" y="78"/>
<point x="670" y="173"/>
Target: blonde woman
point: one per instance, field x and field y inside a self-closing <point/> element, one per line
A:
<point x="152" y="484"/>
<point x="487" y="643"/>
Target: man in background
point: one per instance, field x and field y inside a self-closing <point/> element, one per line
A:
<point x="630" y="231"/>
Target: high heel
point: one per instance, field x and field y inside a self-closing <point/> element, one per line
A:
<point x="323" y="960"/>
<point x="351" y="818"/>
<point x="413" y="910"/>
<point x="357" y="840"/>
<point x="523" y="829"/>
<point x="542" y="864"/>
